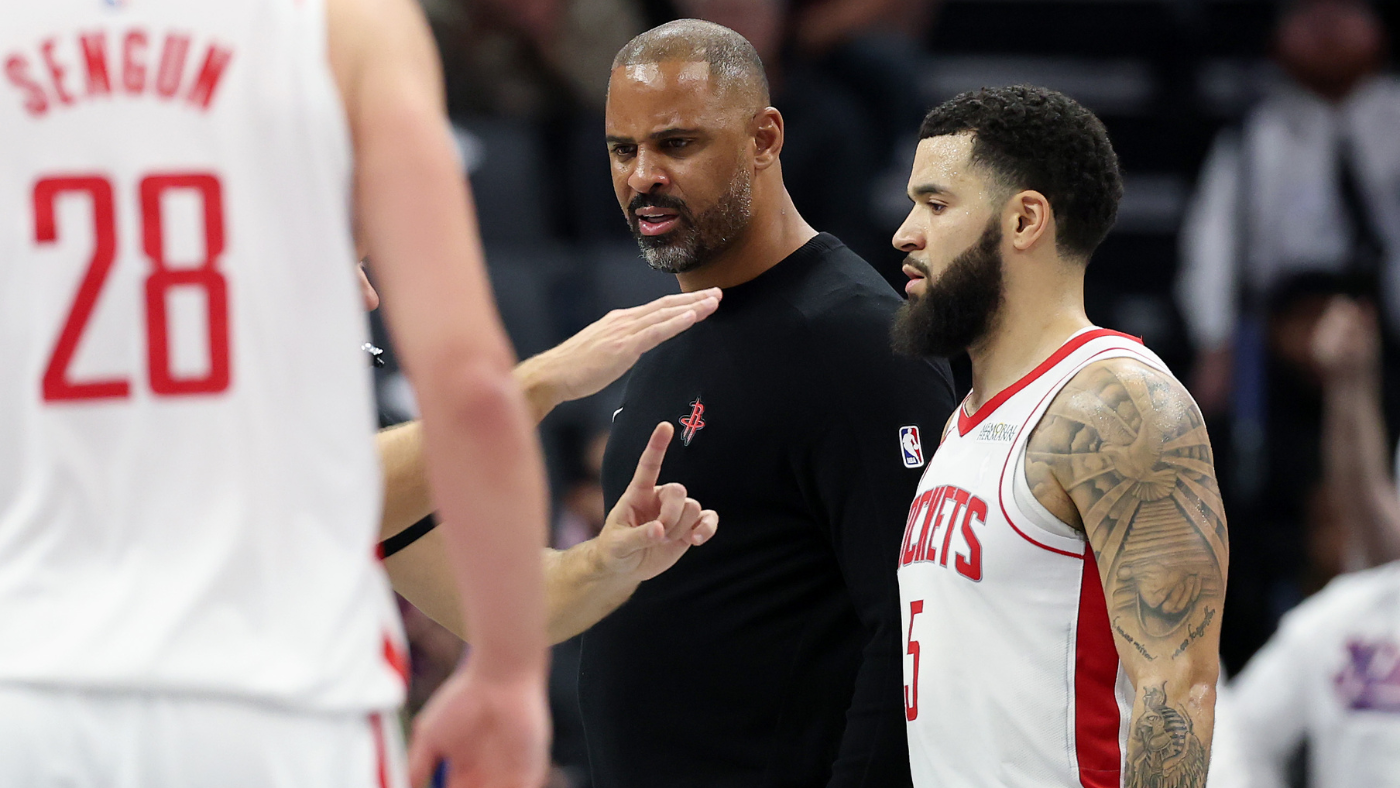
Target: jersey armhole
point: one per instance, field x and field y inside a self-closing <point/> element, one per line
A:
<point x="1031" y="507"/>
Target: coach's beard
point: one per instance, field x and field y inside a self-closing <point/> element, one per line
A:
<point x="697" y="239"/>
<point x="959" y="308"/>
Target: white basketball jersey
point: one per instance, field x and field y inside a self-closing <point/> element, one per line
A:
<point x="1011" y="674"/>
<point x="189" y="493"/>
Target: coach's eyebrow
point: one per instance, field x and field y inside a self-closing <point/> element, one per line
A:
<point x="656" y="135"/>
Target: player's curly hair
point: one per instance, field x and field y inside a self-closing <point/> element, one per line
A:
<point x="1035" y="138"/>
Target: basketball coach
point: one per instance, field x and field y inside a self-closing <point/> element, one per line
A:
<point x="773" y="657"/>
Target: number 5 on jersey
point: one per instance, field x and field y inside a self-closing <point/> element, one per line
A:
<point x="911" y="648"/>
<point x="58" y="385"/>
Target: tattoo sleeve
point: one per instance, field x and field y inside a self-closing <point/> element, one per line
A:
<point x="1123" y="453"/>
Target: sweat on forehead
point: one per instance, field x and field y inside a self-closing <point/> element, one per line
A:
<point x="734" y="64"/>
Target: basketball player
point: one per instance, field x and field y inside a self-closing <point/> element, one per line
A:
<point x="187" y="481"/>
<point x="1064" y="562"/>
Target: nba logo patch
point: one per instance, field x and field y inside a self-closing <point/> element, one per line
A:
<point x="910" y="448"/>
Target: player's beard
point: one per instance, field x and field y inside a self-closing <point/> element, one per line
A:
<point x="960" y="307"/>
<point x="698" y="238"/>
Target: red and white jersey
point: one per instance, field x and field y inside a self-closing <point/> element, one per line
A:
<point x="189" y="493"/>
<point x="1011" y="674"/>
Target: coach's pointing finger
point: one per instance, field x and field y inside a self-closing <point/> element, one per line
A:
<point x="649" y="466"/>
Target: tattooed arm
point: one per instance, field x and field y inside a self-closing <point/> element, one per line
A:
<point x="1122" y="454"/>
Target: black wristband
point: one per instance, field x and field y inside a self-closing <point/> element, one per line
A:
<point x="407" y="536"/>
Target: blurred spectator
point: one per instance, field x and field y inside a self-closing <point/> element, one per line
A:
<point x="1356" y="461"/>
<point x="1330" y="677"/>
<point x="1300" y="203"/>
<point x="1310" y="183"/>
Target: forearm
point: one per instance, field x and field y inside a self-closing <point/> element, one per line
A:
<point x="541" y="393"/>
<point x="407" y="498"/>
<point x="1173" y="723"/>
<point x="580" y="591"/>
<point x="1356" y="469"/>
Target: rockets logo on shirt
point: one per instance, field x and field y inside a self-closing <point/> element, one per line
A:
<point x="910" y="447"/>
<point x="950" y="510"/>
<point x="694" y="422"/>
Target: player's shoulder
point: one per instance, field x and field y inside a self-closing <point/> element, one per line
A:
<point x="1138" y="378"/>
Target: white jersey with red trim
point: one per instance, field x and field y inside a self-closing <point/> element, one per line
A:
<point x="1011" y="674"/>
<point x="189" y="493"/>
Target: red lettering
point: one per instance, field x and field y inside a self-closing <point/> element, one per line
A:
<point x="56" y="72"/>
<point x="94" y="47"/>
<point x="971" y="567"/>
<point x="134" y="62"/>
<point x="935" y="502"/>
<point x="202" y="94"/>
<point x="959" y="501"/>
<point x="172" y="65"/>
<point x="17" y="69"/>
<point x="940" y="507"/>
<point x="906" y="551"/>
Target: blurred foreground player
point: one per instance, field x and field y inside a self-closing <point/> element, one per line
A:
<point x="188" y="488"/>
<point x="770" y="657"/>
<point x="1063" y="570"/>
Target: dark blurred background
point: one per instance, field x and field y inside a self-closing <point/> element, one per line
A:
<point x="1260" y="143"/>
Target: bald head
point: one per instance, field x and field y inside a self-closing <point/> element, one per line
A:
<point x="736" y="71"/>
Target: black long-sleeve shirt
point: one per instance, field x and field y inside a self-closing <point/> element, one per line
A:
<point x="770" y="656"/>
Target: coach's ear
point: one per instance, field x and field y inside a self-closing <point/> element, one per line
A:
<point x="1028" y="219"/>
<point x="768" y="137"/>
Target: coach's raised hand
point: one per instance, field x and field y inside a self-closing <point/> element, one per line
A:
<point x="651" y="527"/>
<point x="591" y="359"/>
<point x="648" y="530"/>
